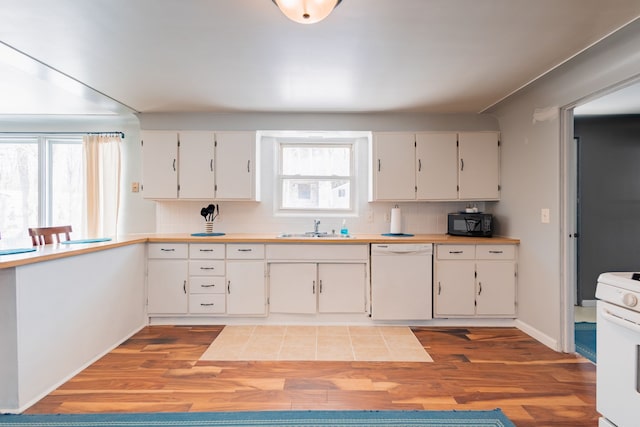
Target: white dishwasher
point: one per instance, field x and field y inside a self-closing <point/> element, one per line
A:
<point x="401" y="281"/>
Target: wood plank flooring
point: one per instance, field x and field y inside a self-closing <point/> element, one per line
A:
<point x="473" y="368"/>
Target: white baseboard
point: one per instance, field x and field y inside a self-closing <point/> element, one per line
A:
<point x="538" y="335"/>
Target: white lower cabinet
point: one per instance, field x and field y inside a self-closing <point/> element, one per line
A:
<point x="475" y="280"/>
<point x="292" y="288"/>
<point x="207" y="278"/>
<point x="341" y="288"/>
<point x="318" y="279"/>
<point x="167" y="278"/>
<point x="246" y="285"/>
<point x="309" y="288"/>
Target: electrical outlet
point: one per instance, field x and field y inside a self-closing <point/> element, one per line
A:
<point x="545" y="216"/>
<point x="387" y="217"/>
<point x="369" y="217"/>
<point x="135" y="187"/>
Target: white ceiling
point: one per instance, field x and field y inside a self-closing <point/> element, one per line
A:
<point x="440" y="56"/>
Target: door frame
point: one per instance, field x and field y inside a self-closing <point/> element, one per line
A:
<point x="568" y="227"/>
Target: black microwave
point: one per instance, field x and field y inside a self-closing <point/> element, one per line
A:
<point x="470" y="224"/>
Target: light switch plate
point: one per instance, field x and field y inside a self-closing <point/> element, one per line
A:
<point x="545" y="216"/>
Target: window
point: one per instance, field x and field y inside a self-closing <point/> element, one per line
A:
<point x="41" y="183"/>
<point x="316" y="176"/>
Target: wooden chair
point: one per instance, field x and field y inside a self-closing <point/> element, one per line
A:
<point x="46" y="235"/>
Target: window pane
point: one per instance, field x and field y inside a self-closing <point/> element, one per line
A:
<point x="66" y="184"/>
<point x="315" y="194"/>
<point x="18" y="188"/>
<point x="316" y="160"/>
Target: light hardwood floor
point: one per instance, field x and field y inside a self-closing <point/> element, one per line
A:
<point x="474" y="368"/>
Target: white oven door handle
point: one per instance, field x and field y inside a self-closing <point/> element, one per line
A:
<point x="619" y="321"/>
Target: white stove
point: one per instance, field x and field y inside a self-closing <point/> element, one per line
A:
<point x="618" y="349"/>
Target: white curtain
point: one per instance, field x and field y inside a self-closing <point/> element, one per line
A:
<point x="102" y="183"/>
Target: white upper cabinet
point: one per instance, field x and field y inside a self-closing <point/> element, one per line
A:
<point x="160" y="164"/>
<point x="432" y="166"/>
<point x="479" y="173"/>
<point x="393" y="175"/>
<point x="196" y="174"/>
<point x="199" y="165"/>
<point x="235" y="165"/>
<point x="436" y="174"/>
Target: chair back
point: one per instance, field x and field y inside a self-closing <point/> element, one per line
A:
<point x="46" y="235"/>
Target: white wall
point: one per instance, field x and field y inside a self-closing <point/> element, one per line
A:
<point x="238" y="217"/>
<point x="532" y="175"/>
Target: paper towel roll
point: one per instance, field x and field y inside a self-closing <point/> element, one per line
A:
<point x="396" y="221"/>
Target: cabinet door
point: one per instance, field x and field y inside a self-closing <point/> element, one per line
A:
<point x="342" y="288"/>
<point x="436" y="166"/>
<point x="394" y="176"/>
<point x="479" y="168"/>
<point x="235" y="165"/>
<point x="195" y="174"/>
<point x="246" y="291"/>
<point x="292" y="288"/>
<point x="454" y="288"/>
<point x="167" y="286"/>
<point x="496" y="288"/>
<point x="159" y="164"/>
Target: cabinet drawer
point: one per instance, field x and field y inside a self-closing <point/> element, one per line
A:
<point x="243" y="251"/>
<point x="455" y="251"/>
<point x="168" y="250"/>
<point x="206" y="285"/>
<point x="206" y="250"/>
<point x="206" y="268"/>
<point x="318" y="252"/>
<point x="495" y="252"/>
<point x="207" y="303"/>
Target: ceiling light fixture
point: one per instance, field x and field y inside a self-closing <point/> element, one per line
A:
<point x="306" y="11"/>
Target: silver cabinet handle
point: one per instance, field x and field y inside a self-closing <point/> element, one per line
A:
<point x="439" y="288"/>
<point x="167" y="250"/>
<point x="461" y="164"/>
<point x="378" y="165"/>
<point x="184" y="287"/>
<point x="208" y="286"/>
<point x="320" y="286"/>
<point x="419" y="165"/>
<point x="249" y="166"/>
<point x="206" y="304"/>
<point x="314" y="287"/>
<point x="495" y="252"/>
<point x="244" y="250"/>
<point x="455" y="252"/>
<point x="205" y="250"/>
<point x="229" y="287"/>
<point x="479" y="288"/>
<point x="174" y="165"/>
<point x="211" y="165"/>
<point x="207" y="268"/>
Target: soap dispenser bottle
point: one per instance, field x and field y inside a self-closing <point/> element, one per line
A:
<point x="343" y="230"/>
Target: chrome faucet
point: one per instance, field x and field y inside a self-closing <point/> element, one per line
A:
<point x="316" y="223"/>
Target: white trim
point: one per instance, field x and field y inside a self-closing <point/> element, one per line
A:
<point x="568" y="198"/>
<point x="588" y="303"/>
<point x="538" y="335"/>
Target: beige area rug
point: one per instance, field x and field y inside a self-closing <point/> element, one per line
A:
<point x="328" y="343"/>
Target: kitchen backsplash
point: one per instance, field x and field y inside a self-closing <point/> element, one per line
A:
<point x="259" y="217"/>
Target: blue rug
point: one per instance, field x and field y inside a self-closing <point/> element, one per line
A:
<point x="585" y="337"/>
<point x="493" y="418"/>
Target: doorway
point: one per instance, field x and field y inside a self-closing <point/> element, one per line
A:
<point x="601" y="197"/>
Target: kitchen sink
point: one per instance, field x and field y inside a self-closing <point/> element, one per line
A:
<point x="312" y="235"/>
